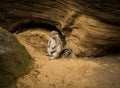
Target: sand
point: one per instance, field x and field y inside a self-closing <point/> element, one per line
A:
<point x="103" y="72"/>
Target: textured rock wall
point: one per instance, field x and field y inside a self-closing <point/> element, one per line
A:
<point x="15" y="13"/>
<point x="93" y="38"/>
<point x="92" y="26"/>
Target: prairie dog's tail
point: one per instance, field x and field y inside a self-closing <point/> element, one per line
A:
<point x="66" y="53"/>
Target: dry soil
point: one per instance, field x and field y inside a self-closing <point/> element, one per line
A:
<point x="71" y="72"/>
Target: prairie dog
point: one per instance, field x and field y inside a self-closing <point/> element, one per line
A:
<point x="55" y="45"/>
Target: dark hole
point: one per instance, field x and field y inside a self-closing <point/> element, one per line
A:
<point x="45" y="26"/>
<point x="25" y="27"/>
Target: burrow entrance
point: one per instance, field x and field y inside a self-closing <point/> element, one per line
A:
<point x="36" y="35"/>
<point x="26" y="26"/>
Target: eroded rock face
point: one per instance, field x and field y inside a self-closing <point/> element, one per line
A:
<point x="94" y="38"/>
<point x="14" y="59"/>
<point x="91" y="27"/>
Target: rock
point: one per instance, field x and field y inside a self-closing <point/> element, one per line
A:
<point x="15" y="61"/>
<point x="91" y="28"/>
<point x="94" y="38"/>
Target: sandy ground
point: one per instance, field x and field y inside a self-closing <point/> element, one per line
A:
<point x="101" y="72"/>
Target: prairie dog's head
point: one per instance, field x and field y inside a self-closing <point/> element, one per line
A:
<point x="54" y="34"/>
